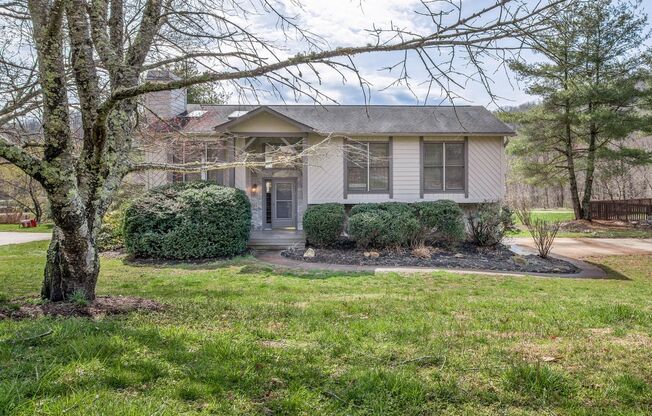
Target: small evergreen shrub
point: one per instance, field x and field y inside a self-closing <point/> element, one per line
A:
<point x="366" y="228"/>
<point x="489" y="224"/>
<point x="323" y="224"/>
<point x="396" y="208"/>
<point x="441" y="221"/>
<point x="188" y="221"/>
<point x="401" y="229"/>
<point x="390" y="224"/>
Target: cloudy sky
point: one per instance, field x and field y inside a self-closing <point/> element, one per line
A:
<point x="343" y="23"/>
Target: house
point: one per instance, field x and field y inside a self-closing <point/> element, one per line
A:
<point x="357" y="153"/>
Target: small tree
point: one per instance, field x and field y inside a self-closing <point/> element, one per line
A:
<point x="543" y="232"/>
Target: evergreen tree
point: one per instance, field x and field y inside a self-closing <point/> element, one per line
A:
<point x="208" y="93"/>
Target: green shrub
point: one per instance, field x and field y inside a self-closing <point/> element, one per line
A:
<point x="366" y="228"/>
<point x="111" y="235"/>
<point x="390" y="224"/>
<point x="395" y="208"/>
<point x="441" y="221"/>
<point x="188" y="221"/>
<point x="489" y="223"/>
<point x="323" y="224"/>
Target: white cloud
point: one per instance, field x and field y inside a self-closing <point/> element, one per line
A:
<point x="344" y="23"/>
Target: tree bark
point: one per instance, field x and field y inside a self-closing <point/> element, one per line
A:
<point x="570" y="164"/>
<point x="590" y="173"/>
<point x="72" y="266"/>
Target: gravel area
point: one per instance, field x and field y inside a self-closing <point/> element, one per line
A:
<point x="466" y="257"/>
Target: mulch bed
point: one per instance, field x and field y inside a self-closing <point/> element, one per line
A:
<point x="100" y="307"/>
<point x="466" y="257"/>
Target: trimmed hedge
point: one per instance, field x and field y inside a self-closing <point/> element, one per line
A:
<point x="390" y="224"/>
<point x="367" y="227"/>
<point x="188" y="221"/>
<point x="442" y="221"/>
<point x="396" y="208"/>
<point x="323" y="224"/>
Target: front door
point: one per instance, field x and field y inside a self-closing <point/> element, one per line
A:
<point x="283" y="203"/>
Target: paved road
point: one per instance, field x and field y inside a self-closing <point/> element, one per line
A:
<point x="16" y="238"/>
<point x="578" y="248"/>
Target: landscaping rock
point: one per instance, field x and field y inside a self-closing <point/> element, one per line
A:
<point x="310" y="253"/>
<point x="520" y="260"/>
<point x="459" y="255"/>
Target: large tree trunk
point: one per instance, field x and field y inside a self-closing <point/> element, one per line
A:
<point x="72" y="266"/>
<point x="590" y="173"/>
<point x="570" y="165"/>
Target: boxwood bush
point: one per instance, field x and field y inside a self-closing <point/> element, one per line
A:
<point x="367" y="227"/>
<point x="442" y="221"/>
<point x="323" y="224"/>
<point x="396" y="208"/>
<point x="188" y="221"/>
<point x="390" y="224"/>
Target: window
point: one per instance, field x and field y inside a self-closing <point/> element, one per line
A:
<point x="443" y="166"/>
<point x="189" y="152"/>
<point x="367" y="167"/>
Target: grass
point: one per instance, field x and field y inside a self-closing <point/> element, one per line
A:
<point x="550" y="215"/>
<point x="41" y="228"/>
<point x="240" y="337"/>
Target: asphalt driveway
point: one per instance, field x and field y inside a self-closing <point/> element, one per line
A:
<point x="578" y="248"/>
<point x="17" y="238"/>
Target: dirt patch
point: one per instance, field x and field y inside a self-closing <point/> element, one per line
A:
<point x="466" y="257"/>
<point x="101" y="306"/>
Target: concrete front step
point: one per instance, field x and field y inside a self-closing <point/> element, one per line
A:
<point x="277" y="240"/>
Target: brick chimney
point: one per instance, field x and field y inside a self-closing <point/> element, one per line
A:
<point x="165" y="104"/>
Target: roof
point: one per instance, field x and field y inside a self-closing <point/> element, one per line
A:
<point x="355" y="119"/>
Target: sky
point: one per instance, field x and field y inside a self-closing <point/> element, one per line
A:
<point x="343" y="23"/>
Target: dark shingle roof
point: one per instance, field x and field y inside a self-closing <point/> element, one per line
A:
<point x="360" y="119"/>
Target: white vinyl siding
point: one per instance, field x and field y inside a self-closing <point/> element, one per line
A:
<point x="485" y="172"/>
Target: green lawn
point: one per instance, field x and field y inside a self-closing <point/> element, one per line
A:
<point x="242" y="338"/>
<point x="550" y="215"/>
<point x="41" y="228"/>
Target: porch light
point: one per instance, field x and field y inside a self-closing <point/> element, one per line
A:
<point x="254" y="188"/>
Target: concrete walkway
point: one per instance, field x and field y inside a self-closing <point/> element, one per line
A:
<point x="579" y="248"/>
<point x="10" y="237"/>
<point x="587" y="271"/>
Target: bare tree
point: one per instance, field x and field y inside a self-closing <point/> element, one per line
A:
<point x="543" y="232"/>
<point x="62" y="58"/>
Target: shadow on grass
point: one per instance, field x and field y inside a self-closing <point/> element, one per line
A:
<point x="611" y="273"/>
<point x="203" y="264"/>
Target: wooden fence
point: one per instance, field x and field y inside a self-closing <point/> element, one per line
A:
<point x="627" y="210"/>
